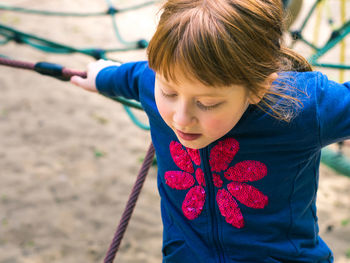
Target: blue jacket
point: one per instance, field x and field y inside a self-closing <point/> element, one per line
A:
<point x="249" y="196"/>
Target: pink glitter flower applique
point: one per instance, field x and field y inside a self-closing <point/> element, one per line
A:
<point x="221" y="156"/>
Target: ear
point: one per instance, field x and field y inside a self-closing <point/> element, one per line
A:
<point x="256" y="98"/>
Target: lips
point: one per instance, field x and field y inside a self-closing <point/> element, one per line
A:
<point x="188" y="136"/>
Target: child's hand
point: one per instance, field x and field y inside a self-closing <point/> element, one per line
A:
<point x="94" y="68"/>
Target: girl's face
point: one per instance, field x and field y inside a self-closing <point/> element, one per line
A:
<point x="199" y="114"/>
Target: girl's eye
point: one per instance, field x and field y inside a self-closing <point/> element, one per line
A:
<point x="205" y="107"/>
<point x="167" y="95"/>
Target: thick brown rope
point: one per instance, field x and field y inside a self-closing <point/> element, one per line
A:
<point x="65" y="74"/>
<point x="118" y="236"/>
<point x="45" y="68"/>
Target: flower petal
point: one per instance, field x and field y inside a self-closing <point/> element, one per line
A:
<point x="229" y="209"/>
<point x="181" y="157"/>
<point x="217" y="180"/>
<point x="246" y="171"/>
<point x="193" y="204"/>
<point x="195" y="156"/>
<point x="248" y="195"/>
<point x="179" y="180"/>
<point x="200" y="177"/>
<point x="222" y="154"/>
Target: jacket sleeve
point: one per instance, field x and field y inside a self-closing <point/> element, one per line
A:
<point x="124" y="80"/>
<point x="333" y="106"/>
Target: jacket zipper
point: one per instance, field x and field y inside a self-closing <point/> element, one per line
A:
<point x="211" y="199"/>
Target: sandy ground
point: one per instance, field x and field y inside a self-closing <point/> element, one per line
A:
<point x="68" y="158"/>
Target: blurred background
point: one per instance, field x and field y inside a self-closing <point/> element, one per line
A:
<point x="68" y="158"/>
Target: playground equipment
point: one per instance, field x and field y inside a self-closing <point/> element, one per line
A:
<point x="337" y="35"/>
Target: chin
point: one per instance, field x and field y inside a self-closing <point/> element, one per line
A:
<point x="194" y="144"/>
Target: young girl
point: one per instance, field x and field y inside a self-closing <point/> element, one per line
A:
<point x="238" y="122"/>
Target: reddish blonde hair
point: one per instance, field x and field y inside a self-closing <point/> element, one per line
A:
<point x="226" y="42"/>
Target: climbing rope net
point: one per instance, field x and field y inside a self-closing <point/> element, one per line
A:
<point x="11" y="34"/>
<point x="338" y="24"/>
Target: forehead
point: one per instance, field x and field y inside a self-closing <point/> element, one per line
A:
<point x="189" y="85"/>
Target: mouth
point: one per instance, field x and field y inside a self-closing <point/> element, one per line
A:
<point x="188" y="136"/>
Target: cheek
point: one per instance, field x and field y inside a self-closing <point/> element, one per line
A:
<point x="217" y="127"/>
<point x="226" y="120"/>
<point x="163" y="107"/>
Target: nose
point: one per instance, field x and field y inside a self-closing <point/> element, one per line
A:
<point x="183" y="116"/>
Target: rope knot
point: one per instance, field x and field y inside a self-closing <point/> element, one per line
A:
<point x="98" y="53"/>
<point x="112" y="10"/>
<point x="142" y="43"/>
<point x="18" y="38"/>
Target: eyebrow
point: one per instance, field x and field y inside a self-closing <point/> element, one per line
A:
<point x="200" y="95"/>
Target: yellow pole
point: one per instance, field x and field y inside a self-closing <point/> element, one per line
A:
<point x="316" y="34"/>
<point x="342" y="43"/>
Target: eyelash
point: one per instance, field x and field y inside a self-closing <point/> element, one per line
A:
<point x="203" y="107"/>
<point x="198" y="103"/>
<point x="168" y="95"/>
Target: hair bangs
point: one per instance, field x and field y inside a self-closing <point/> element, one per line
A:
<point x="198" y="45"/>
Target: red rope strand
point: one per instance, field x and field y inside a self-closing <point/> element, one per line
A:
<point x="65" y="73"/>
<point x="124" y="221"/>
